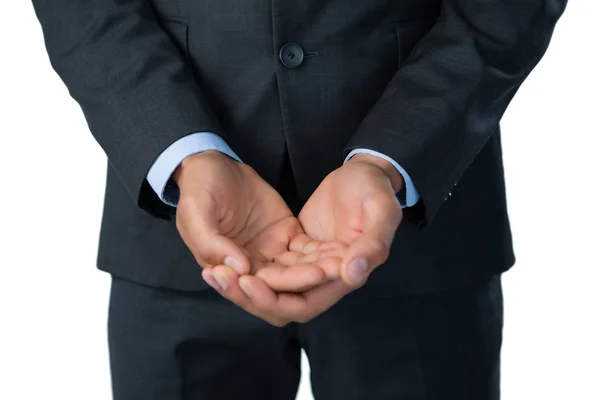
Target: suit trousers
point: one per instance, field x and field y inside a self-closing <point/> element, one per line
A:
<point x="170" y="345"/>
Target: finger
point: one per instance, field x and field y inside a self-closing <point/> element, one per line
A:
<point x="330" y="261"/>
<point x="216" y="249"/>
<point x="296" y="278"/>
<point x="331" y="266"/>
<point x="302" y="243"/>
<point x="294" y="307"/>
<point x="229" y="287"/>
<point x="279" y="306"/>
<point x="263" y="300"/>
<point x="321" y="298"/>
<point x="289" y="258"/>
<point x="328" y="250"/>
<point x="299" y="242"/>
<point x="363" y="257"/>
<point x="318" y="255"/>
<point x="381" y="219"/>
<point x="209" y="278"/>
<point x="307" y="258"/>
<point x="257" y="298"/>
<point x="332" y="246"/>
<point x="198" y="220"/>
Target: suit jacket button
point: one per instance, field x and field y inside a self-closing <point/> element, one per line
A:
<point x="291" y="55"/>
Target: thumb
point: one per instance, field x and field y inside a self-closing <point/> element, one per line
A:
<point x="363" y="256"/>
<point x="216" y="249"/>
<point x="198" y="223"/>
<point x="382" y="215"/>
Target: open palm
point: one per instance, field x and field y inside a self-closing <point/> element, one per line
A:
<point x="228" y="215"/>
<point x="356" y="206"/>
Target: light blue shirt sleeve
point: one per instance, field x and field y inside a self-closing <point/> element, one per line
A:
<point x="167" y="162"/>
<point x="412" y="196"/>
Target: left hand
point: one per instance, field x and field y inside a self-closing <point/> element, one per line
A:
<point x="354" y="213"/>
<point x="357" y="205"/>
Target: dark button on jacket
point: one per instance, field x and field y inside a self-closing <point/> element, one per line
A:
<point x="291" y="55"/>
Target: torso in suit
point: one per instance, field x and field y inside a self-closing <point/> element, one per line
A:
<point x="293" y="87"/>
<point x="262" y="107"/>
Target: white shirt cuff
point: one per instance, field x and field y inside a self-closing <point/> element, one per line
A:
<point x="412" y="195"/>
<point x="167" y="162"/>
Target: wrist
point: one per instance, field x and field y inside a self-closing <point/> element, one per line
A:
<point x="394" y="176"/>
<point x="189" y="162"/>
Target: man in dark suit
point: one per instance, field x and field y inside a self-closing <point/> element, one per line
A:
<point x="279" y="152"/>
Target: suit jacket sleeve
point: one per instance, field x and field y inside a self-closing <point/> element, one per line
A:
<point x="446" y="100"/>
<point x="133" y="83"/>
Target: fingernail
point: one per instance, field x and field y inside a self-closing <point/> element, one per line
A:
<point x="211" y="282"/>
<point x="357" y="271"/>
<point x="246" y="288"/>
<point x="221" y="281"/>
<point x="235" y="264"/>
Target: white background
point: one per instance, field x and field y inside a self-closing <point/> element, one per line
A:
<point x="53" y="301"/>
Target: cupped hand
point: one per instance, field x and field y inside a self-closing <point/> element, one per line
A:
<point x="228" y="215"/>
<point x="350" y="221"/>
<point x="357" y="206"/>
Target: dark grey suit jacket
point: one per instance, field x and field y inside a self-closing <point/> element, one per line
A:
<point x="423" y="81"/>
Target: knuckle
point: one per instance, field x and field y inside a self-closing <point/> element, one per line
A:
<point x="181" y="223"/>
<point x="185" y="203"/>
<point x="360" y="285"/>
<point x="278" y="322"/>
<point x="198" y="256"/>
<point x="302" y="319"/>
<point x="202" y="249"/>
<point x="200" y="261"/>
<point x="197" y="253"/>
<point x="207" y="250"/>
<point x="381" y="252"/>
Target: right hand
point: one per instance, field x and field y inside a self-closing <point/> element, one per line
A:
<point x="228" y="215"/>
